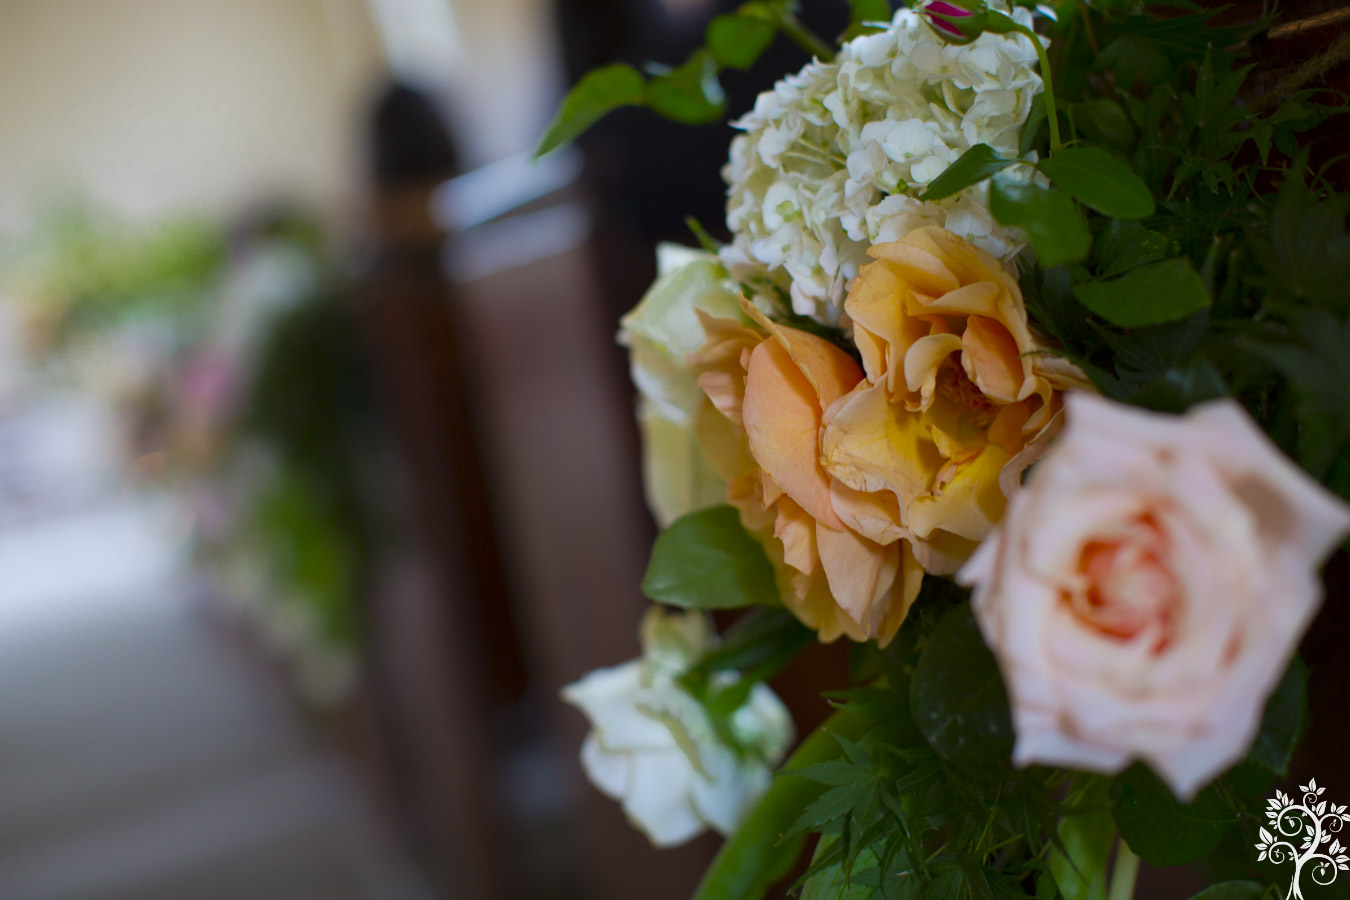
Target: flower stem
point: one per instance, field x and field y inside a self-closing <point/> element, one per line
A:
<point x="803" y="37"/>
<point x="1048" y="78"/>
<point x="1123" y="874"/>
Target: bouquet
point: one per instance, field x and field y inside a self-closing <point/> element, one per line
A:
<point x="1024" y="370"/>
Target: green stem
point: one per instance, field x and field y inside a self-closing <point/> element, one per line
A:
<point x="804" y="38"/>
<point x="1048" y="78"/>
<point x="757" y="855"/>
<point x="1123" y="874"/>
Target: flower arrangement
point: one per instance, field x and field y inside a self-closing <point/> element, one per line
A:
<point x="1024" y="370"/>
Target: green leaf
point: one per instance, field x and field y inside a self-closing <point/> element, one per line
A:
<point x="1052" y="222"/>
<point x="737" y="41"/>
<point x="1099" y="180"/>
<point x="1087" y="837"/>
<point x="956" y="696"/>
<point x="691" y="93"/>
<point x="1232" y="890"/>
<point x="832" y="883"/>
<point x="759" y="636"/>
<point x="1177" y="390"/>
<point x="1104" y="121"/>
<point x="1158" y="828"/>
<point x="706" y="560"/>
<point x="1123" y="245"/>
<point x="1148" y="295"/>
<point x="973" y="166"/>
<point x="869" y="11"/>
<point x="754" y="857"/>
<point x="597" y="93"/>
<point x="1282" y="724"/>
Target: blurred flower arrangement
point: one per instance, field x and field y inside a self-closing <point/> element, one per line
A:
<point x="163" y="322"/>
<point x="1024" y="368"/>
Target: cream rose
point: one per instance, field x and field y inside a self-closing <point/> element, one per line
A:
<point x="660" y="333"/>
<point x="1145" y="591"/>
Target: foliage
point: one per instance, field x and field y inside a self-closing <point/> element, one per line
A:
<point x="1184" y="251"/>
<point x="706" y="560"/>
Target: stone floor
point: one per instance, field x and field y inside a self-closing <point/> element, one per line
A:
<point x="142" y="754"/>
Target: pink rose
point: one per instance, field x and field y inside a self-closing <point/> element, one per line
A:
<point x="1146" y="589"/>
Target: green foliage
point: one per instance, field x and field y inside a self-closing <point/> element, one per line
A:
<point x="1052" y="221"/>
<point x="1161" y="830"/>
<point x="736" y="41"/>
<point x="760" y="852"/>
<point x="1087" y="836"/>
<point x="759" y="644"/>
<point x="92" y="273"/>
<point x="1283" y="721"/>
<point x="706" y="560"/>
<point x="956" y="695"/>
<point x="1151" y="294"/>
<point x="972" y="167"/>
<point x="1097" y="179"/>
<point x="898" y="818"/>
<point x="599" y="92"/>
<point x="690" y="93"/>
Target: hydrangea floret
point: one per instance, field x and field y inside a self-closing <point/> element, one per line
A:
<point x="833" y="158"/>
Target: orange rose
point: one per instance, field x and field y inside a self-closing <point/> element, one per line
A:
<point x="957" y="391"/>
<point x="772" y="385"/>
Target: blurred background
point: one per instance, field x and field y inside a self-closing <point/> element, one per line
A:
<point x="318" y="470"/>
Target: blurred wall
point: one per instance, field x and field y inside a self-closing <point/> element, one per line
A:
<point x="153" y="105"/>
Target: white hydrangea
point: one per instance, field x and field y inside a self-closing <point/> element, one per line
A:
<point x="829" y="154"/>
<point x="653" y="747"/>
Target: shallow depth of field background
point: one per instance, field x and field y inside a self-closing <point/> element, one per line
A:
<point x="318" y="474"/>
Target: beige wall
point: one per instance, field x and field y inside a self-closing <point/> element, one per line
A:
<point x="157" y="105"/>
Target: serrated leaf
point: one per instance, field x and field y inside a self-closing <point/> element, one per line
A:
<point x="1124" y="244"/>
<point x="738" y="41"/>
<point x="835" y="803"/>
<point x="706" y="560"/>
<point x="835" y="772"/>
<point x="691" y="93"/>
<point x="752" y="859"/>
<point x="957" y="696"/>
<point x="597" y="93"/>
<point x="1148" y="295"/>
<point x="1159" y="829"/>
<point x="1099" y="180"/>
<point x="1053" y="224"/>
<point x="972" y="167"/>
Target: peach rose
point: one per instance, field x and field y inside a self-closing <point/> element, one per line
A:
<point x="1146" y="589"/>
<point x="772" y="385"/>
<point x="957" y="391"/>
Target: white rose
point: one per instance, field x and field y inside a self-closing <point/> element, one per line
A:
<point x="660" y="332"/>
<point x="1147" y="588"/>
<point x="654" y="748"/>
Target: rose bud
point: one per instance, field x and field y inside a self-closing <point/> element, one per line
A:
<point x="958" y="24"/>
